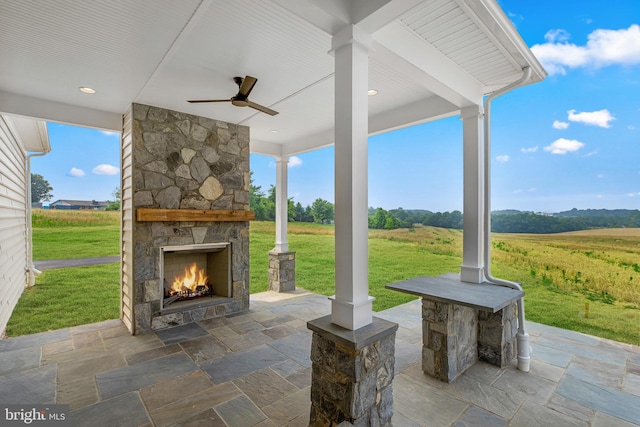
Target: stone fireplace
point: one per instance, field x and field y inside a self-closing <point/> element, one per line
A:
<point x="185" y="193"/>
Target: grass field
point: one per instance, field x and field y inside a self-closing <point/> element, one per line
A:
<point x="560" y="273"/>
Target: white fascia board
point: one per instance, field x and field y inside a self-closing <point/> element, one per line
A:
<point x="257" y="146"/>
<point x="52" y="111"/>
<point x="316" y="141"/>
<point x="291" y="148"/>
<point x="427" y="110"/>
<point x="440" y="75"/>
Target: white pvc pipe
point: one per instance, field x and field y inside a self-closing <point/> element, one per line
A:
<point x="32" y="271"/>
<point x="524" y="348"/>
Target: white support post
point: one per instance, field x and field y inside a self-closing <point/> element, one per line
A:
<point x="282" y="204"/>
<point x="472" y="269"/>
<point x="351" y="306"/>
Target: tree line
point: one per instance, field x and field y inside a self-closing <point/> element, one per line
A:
<point x="323" y="212"/>
<point x="512" y="221"/>
<point x="264" y="205"/>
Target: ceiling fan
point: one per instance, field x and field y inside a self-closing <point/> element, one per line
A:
<point x="241" y="99"/>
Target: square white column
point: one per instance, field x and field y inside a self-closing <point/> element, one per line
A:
<point x="351" y="305"/>
<point x="282" y="204"/>
<point x="472" y="269"/>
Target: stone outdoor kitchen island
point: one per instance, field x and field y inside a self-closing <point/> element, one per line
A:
<point x="188" y="177"/>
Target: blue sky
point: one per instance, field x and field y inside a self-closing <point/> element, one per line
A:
<point x="571" y="141"/>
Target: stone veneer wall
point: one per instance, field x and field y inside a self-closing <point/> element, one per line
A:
<point x="282" y="271"/>
<point x="449" y="339"/>
<point x="497" y="343"/>
<point x="182" y="161"/>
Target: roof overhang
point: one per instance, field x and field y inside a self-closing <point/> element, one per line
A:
<point x="30" y="133"/>
<point x="430" y="59"/>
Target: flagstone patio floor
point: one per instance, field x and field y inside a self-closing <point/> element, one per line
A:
<point x="253" y="369"/>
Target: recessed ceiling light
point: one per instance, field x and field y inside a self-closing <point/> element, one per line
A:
<point x="85" y="89"/>
<point x="273" y="130"/>
<point x="372" y="92"/>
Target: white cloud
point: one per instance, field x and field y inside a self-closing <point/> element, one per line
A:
<point x="634" y="194"/>
<point x="529" y="150"/>
<point x="295" y="161"/>
<point x="591" y="153"/>
<point x="109" y="133"/>
<point x="503" y="159"/>
<point x="603" y="47"/>
<point x="106" y="170"/>
<point x="557" y="124"/>
<point x="599" y="118"/>
<point x="564" y="146"/>
<point x="76" y="172"/>
<point x="559" y="36"/>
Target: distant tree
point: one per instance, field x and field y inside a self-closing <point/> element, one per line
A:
<point x="322" y="211"/>
<point x="378" y="220"/>
<point x="115" y="204"/>
<point x="269" y="203"/>
<point x="298" y="212"/>
<point x="391" y="222"/>
<point x="256" y="197"/>
<point x="40" y="189"/>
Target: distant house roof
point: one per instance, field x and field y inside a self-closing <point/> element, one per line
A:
<point x="81" y="203"/>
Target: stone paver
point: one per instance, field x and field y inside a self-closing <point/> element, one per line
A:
<point x="122" y="411"/>
<point x="253" y="369"/>
<point x="601" y="398"/>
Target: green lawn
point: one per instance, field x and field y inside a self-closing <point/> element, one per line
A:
<point x="75" y="242"/>
<point x="67" y="297"/>
<point x="75" y="296"/>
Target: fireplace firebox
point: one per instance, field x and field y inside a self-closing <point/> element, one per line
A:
<point x="189" y="273"/>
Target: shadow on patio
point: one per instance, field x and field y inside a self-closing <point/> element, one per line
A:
<point x="254" y="369"/>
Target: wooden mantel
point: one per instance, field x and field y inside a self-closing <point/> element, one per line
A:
<point x="154" y="214"/>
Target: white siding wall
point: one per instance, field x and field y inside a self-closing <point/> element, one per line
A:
<point x="126" y="197"/>
<point x="13" y="227"/>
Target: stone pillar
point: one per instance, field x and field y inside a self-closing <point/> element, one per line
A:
<point x="449" y="339"/>
<point x="497" y="342"/>
<point x="351" y="305"/>
<point x="282" y="271"/>
<point x="352" y="373"/>
<point x="473" y="203"/>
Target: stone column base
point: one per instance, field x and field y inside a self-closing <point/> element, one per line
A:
<point x="497" y="343"/>
<point x="282" y="271"/>
<point x="449" y="339"/>
<point x="352" y="372"/>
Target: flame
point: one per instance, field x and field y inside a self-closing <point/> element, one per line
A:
<point x="193" y="277"/>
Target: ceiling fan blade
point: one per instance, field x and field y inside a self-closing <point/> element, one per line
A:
<point x="195" y="101"/>
<point x="247" y="86"/>
<point x="261" y="108"/>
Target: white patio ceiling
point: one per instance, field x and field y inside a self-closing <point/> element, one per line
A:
<point x="431" y="58"/>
